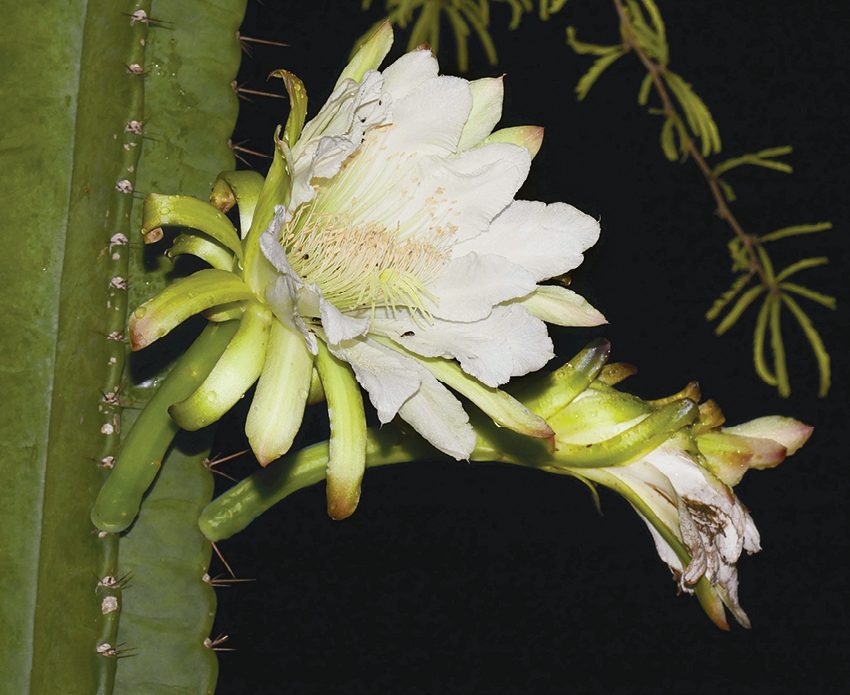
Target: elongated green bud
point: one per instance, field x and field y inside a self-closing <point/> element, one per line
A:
<point x="142" y="452"/>
<point x="185" y="211"/>
<point x="188" y="296"/>
<point x="236" y="371"/>
<point x="347" y="452"/>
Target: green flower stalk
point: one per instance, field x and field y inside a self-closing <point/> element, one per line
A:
<point x="384" y="250"/>
<point x="670" y="459"/>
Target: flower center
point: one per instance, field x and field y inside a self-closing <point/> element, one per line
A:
<point x="362" y="266"/>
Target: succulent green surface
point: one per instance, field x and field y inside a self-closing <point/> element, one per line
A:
<point x="70" y="94"/>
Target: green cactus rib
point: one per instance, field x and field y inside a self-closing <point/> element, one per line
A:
<point x="169" y="606"/>
<point x="143" y="451"/>
<point x="236" y="371"/>
<point x="72" y="141"/>
<point x="64" y="270"/>
<point x="185" y="211"/>
<point x="190" y="108"/>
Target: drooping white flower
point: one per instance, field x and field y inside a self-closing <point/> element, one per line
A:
<point x="713" y="524"/>
<point x="401" y="246"/>
<point x="670" y="459"/>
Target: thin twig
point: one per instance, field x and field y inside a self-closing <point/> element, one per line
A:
<point x="723" y="211"/>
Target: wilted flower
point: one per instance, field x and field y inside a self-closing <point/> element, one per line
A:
<point x="670" y="459"/>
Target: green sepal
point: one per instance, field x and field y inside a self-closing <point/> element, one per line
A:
<point x="528" y="136"/>
<point x="241" y="188"/>
<point x="185" y="211"/>
<point x="259" y="273"/>
<point x="347" y="457"/>
<point x="561" y="307"/>
<point x="297" y="106"/>
<point x="278" y="406"/>
<point x="554" y="392"/>
<point x="232" y="311"/>
<point x="182" y="299"/>
<point x="144" y="448"/>
<point x="317" y="391"/>
<point x="370" y="55"/>
<point x="632" y="444"/>
<point x="208" y="250"/>
<point x="236" y="371"/>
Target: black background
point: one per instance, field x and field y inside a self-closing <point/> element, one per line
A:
<point x="458" y="578"/>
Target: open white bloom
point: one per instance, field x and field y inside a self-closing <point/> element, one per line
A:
<point x="401" y="246"/>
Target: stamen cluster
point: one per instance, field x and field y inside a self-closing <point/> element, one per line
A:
<point x="362" y="265"/>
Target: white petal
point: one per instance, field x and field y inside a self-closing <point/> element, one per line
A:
<point x="469" y="287"/>
<point x="439" y="417"/>
<point x="338" y="326"/>
<point x="487" y="96"/>
<point x="281" y="297"/>
<point x="563" y="307"/>
<point x="337" y="132"/>
<point x="723" y="521"/>
<point x="272" y="249"/>
<point x="337" y="115"/>
<point x="506" y="344"/>
<point x="548" y="240"/>
<point x="429" y="119"/>
<point x="409" y="72"/>
<point x="369" y="108"/>
<point x="328" y="115"/>
<point x="389" y="378"/>
<point x="425" y="197"/>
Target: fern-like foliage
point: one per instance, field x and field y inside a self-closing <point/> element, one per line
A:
<point x="688" y="121"/>
<point x="464" y="17"/>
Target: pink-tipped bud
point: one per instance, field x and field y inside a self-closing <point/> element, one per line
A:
<point x="788" y="432"/>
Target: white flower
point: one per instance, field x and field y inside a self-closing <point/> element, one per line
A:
<point x="704" y="515"/>
<point x="401" y="247"/>
<point x="670" y="459"/>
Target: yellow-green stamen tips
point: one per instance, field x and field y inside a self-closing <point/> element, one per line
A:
<point x="362" y="265"/>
